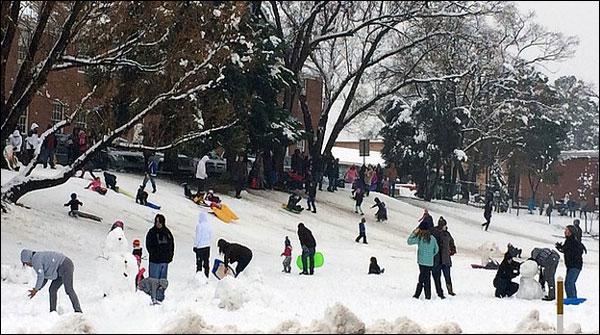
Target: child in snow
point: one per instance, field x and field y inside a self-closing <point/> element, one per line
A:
<point x="312" y="193"/>
<point x="211" y="199"/>
<point x="137" y="251"/>
<point x="74" y="203"/>
<point x="96" y="186"/>
<point x="141" y="196"/>
<point x="358" y="196"/>
<point x="287" y="252"/>
<point x="381" y="214"/>
<point x="362" y="231"/>
<point x="374" y="268"/>
<point x="293" y="201"/>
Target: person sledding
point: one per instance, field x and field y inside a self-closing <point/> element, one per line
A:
<point x="381" y="214"/>
<point x="142" y="196"/>
<point x="74" y="203"/>
<point x="211" y="200"/>
<point x="96" y="186"/>
<point x="509" y="269"/>
<point x="292" y="203"/>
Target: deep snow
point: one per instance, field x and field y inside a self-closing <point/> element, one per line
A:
<point x="341" y="297"/>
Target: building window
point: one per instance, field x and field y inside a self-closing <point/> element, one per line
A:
<point x="58" y="112"/>
<point x="22" y="123"/>
<point x="80" y="119"/>
<point x="23" y="45"/>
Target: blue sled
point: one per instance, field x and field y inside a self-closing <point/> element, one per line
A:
<point x="151" y="205"/>
<point x="573" y="301"/>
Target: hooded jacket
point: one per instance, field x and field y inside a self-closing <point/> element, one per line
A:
<point x="44" y="263"/>
<point x="572" y="249"/>
<point x="16" y="140"/>
<point x="204" y="232"/>
<point x="201" y="168"/>
<point x="545" y="257"/>
<point x="160" y="245"/>
<point x="306" y="237"/>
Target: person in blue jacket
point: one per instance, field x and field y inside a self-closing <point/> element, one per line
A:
<point x="151" y="173"/>
<point x="50" y="265"/>
<point x="427" y="249"/>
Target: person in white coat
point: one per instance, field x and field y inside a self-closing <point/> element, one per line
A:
<point x="204" y="236"/>
<point x="16" y="140"/>
<point x="32" y="142"/>
<point x="201" y="174"/>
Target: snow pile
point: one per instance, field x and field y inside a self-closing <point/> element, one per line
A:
<point x="232" y="293"/>
<point x="488" y="250"/>
<point x="402" y="325"/>
<point x="338" y="319"/>
<point x="447" y="328"/>
<point x="73" y="324"/>
<point x="189" y="322"/>
<point x="531" y="324"/>
<point x="16" y="274"/>
<point x="529" y="288"/>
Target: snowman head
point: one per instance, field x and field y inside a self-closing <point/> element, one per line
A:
<point x="529" y="269"/>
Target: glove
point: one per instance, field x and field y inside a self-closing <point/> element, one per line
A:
<point x="558" y="245"/>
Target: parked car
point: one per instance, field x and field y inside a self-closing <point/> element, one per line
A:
<point x="215" y="164"/>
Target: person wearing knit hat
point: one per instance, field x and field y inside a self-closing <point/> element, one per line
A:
<point x="426" y="221"/>
<point x="447" y="249"/>
<point x="573" y="250"/>
<point x="50" y="265"/>
<point x="426" y="251"/>
<point x="287" y="253"/>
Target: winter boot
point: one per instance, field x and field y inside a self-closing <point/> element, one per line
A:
<point x="418" y="291"/>
<point x="450" y="291"/>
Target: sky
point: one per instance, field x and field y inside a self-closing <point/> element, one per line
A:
<point x="574" y="18"/>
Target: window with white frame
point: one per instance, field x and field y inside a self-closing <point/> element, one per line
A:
<point x="23" y="45"/>
<point x="58" y="112"/>
<point x="80" y="119"/>
<point x="22" y="123"/>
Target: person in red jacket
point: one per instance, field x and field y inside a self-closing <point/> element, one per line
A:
<point x="287" y="252"/>
<point x="96" y="186"/>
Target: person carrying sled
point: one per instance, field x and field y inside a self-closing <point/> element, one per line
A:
<point x="381" y="214"/>
<point x="287" y="253"/>
<point x="308" y="244"/>
<point x="374" y="267"/>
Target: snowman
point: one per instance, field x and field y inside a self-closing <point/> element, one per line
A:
<point x="529" y="288"/>
<point x="118" y="267"/>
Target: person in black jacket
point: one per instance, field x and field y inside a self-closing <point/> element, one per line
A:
<point x="374" y="267"/>
<point x="111" y="181"/>
<point x="447" y="249"/>
<point x="161" y="246"/>
<point x="308" y="244"/>
<point x="233" y="252"/>
<point x="487" y="212"/>
<point x="381" y="214"/>
<point x="508" y="270"/>
<point x="142" y="196"/>
<point x="312" y="193"/>
<point x="239" y="174"/>
<point x="573" y="250"/>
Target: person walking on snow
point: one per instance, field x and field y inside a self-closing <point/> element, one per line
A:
<point x="287" y="252"/>
<point x="362" y="233"/>
<point x="308" y="244"/>
<point x="426" y="251"/>
<point x="204" y="236"/>
<point x="312" y="194"/>
<point x="447" y="249"/>
<point x="358" y="196"/>
<point x="201" y="174"/>
<point x="50" y="265"/>
<point x="573" y="250"/>
<point x="487" y="213"/>
<point x="151" y="173"/>
<point x="161" y="247"/>
<point x="232" y="253"/>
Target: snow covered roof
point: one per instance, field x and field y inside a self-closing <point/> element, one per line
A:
<point x="350" y="156"/>
<point x="572" y="154"/>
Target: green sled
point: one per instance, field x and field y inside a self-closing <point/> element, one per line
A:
<point x="319" y="260"/>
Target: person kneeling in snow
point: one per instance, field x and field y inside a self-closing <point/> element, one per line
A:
<point x="374" y="268"/>
<point x="508" y="270"/>
<point x="151" y="286"/>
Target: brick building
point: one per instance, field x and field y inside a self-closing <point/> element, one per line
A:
<point x="575" y="169"/>
<point x="59" y="96"/>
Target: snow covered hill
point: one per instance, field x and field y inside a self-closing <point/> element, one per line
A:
<point x="340" y="297"/>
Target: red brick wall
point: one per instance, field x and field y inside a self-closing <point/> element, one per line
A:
<point x="569" y="172"/>
<point x="67" y="86"/>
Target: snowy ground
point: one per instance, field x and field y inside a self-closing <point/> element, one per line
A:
<point x="340" y="297"/>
